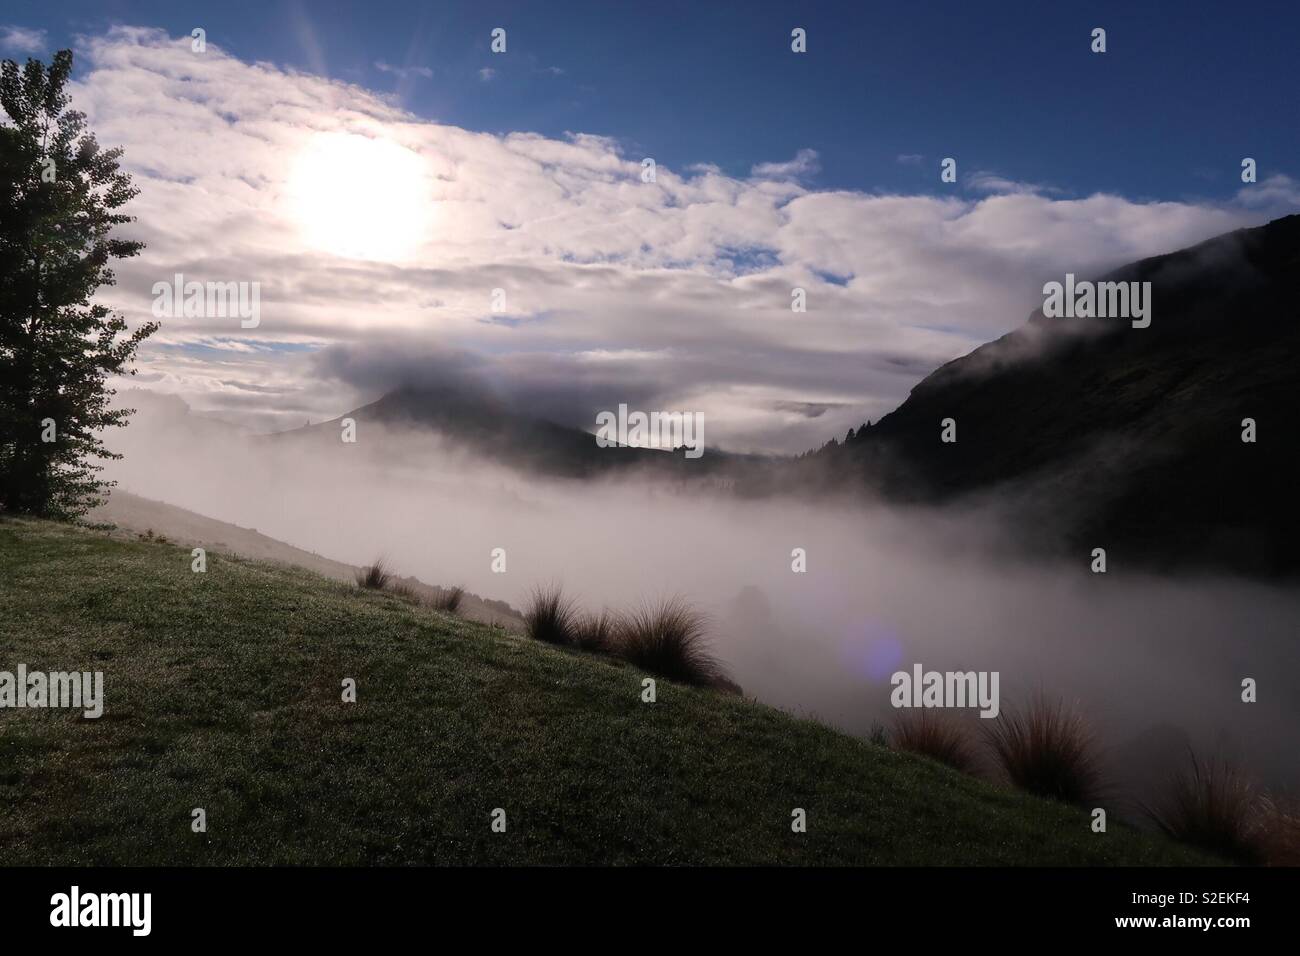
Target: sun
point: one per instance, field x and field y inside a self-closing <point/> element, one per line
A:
<point x="360" y="197"/>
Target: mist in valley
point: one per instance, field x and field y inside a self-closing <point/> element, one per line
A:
<point x="1155" y="663"/>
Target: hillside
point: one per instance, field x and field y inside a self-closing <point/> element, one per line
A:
<point x="1102" y="434"/>
<point x="223" y="692"/>
<point x="134" y="516"/>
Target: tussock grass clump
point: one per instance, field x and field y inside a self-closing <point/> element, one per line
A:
<point x="374" y="576"/>
<point x="404" y="591"/>
<point x="729" y="686"/>
<point x="1279" y="838"/>
<point x="1214" y="807"/>
<point x="937" y="736"/>
<point x="550" y="616"/>
<point x="595" y="632"/>
<point x="1048" y="750"/>
<point x="379" y="577"/>
<point x="669" y="640"/>
<point x="449" y="599"/>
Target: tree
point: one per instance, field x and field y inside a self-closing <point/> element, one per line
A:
<point x="59" y="196"/>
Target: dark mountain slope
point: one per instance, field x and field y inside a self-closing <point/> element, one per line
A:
<point x="494" y="428"/>
<point x="1129" y="439"/>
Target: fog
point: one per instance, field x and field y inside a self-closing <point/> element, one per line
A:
<point x="1155" y="663"/>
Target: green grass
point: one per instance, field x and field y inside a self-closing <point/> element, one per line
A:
<point x="223" y="692"/>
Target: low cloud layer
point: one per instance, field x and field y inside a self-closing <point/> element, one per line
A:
<point x="675" y="291"/>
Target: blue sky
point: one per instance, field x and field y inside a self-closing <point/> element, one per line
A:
<point x="1184" y="91"/>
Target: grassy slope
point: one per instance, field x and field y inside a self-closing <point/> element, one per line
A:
<point x="135" y="516"/>
<point x="223" y="692"/>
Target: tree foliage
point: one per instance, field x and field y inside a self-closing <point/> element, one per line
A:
<point x="59" y="199"/>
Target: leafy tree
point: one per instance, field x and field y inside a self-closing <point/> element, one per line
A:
<point x="59" y="193"/>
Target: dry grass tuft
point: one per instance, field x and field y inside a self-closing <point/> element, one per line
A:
<point x="1047" y="750"/>
<point x="550" y="616"/>
<point x="670" y="640"/>
<point x="375" y="576"/>
<point x="937" y="736"/>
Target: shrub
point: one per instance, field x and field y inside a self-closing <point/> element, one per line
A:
<point x="449" y="599"/>
<point x="375" y="576"/>
<point x="669" y="640"/>
<point x="1213" y="806"/>
<point x="594" y="632"/>
<point x="934" y="735"/>
<point x="1047" y="750"/>
<point x="550" y="616"/>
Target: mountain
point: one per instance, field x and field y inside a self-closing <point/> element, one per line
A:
<point x="491" y="427"/>
<point x="1099" y="434"/>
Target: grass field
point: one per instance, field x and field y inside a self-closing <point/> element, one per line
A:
<point x="223" y="691"/>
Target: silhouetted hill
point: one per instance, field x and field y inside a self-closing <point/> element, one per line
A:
<point x="491" y="427"/>
<point x="1104" y="435"/>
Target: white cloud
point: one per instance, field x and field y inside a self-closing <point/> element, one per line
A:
<point x="1270" y="193"/>
<point x="487" y="74"/>
<point x="804" y="164"/>
<point x="404" y="71"/>
<point x="984" y="181"/>
<point x="14" y="39"/>
<point x="677" y="290"/>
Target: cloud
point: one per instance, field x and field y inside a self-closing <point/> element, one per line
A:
<point x="984" y="181"/>
<point x="404" y="71"/>
<point x="804" y="164"/>
<point x="14" y="39"/>
<point x="1270" y="193"/>
<point x="676" y="292"/>
<point x="487" y="74"/>
<point x="910" y="159"/>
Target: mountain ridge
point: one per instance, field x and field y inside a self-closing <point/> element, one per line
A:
<point x="1124" y="435"/>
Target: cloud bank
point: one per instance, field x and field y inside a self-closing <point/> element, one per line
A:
<point x="677" y="291"/>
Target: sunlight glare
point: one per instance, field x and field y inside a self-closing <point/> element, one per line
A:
<point x="360" y="197"/>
